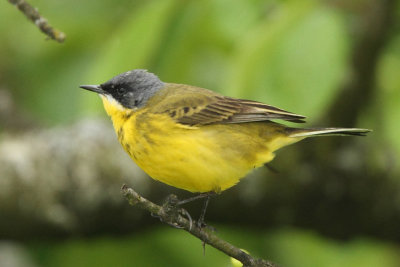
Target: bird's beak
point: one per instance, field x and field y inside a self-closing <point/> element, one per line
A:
<point x="93" y="88"/>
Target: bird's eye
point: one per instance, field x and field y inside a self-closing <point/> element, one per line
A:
<point x="121" y="90"/>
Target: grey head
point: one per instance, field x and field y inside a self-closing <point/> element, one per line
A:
<point x="131" y="89"/>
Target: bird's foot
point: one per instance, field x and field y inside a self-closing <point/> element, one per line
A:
<point x="171" y="208"/>
<point x="200" y="223"/>
<point x="172" y="205"/>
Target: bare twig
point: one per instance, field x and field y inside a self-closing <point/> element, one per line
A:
<point x="171" y="215"/>
<point x="32" y="14"/>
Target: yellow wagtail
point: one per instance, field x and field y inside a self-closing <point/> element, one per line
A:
<point x="195" y="139"/>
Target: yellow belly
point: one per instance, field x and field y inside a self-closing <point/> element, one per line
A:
<point x="197" y="159"/>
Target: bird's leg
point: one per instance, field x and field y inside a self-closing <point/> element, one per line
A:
<point x="207" y="196"/>
<point x="199" y="196"/>
<point x="200" y="222"/>
<point x="172" y="203"/>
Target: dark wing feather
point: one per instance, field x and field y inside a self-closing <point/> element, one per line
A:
<point x="257" y="111"/>
<point x="192" y="105"/>
<point x="230" y="110"/>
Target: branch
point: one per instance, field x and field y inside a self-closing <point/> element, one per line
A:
<point x="170" y="215"/>
<point x="32" y="14"/>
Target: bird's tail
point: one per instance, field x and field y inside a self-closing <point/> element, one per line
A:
<point x="308" y="132"/>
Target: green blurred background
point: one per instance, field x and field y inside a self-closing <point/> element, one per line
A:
<point x="333" y="202"/>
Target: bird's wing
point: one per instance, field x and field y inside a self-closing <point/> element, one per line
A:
<point x="197" y="106"/>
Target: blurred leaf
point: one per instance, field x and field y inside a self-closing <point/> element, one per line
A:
<point x="194" y="52"/>
<point x="297" y="248"/>
<point x="136" y="41"/>
<point x="294" y="60"/>
<point x="234" y="20"/>
<point x="199" y="46"/>
<point x="159" y="247"/>
<point x="288" y="247"/>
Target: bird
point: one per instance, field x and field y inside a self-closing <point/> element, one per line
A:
<point x="194" y="138"/>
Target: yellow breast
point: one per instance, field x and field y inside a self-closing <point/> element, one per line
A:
<point x="197" y="159"/>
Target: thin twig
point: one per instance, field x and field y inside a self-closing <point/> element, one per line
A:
<point x="171" y="216"/>
<point x="32" y="14"/>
